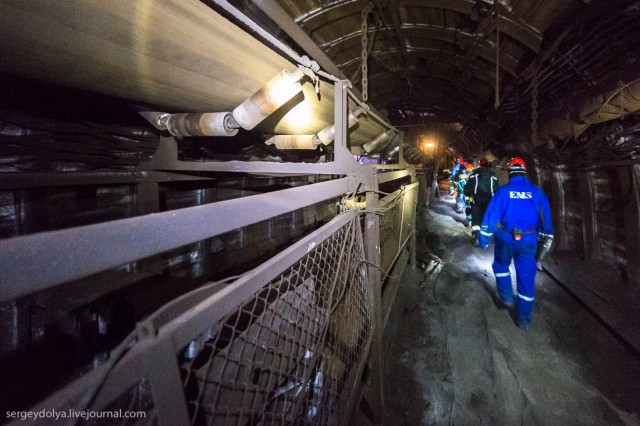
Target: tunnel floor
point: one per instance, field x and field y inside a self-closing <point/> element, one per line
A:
<point x="457" y="356"/>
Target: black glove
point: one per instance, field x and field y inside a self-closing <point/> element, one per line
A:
<point x="544" y="247"/>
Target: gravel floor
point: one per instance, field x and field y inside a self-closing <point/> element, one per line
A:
<point x="457" y="357"/>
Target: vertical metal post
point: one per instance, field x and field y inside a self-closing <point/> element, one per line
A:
<point x="401" y="160"/>
<point x="147" y="198"/>
<point x="147" y="201"/>
<point x="161" y="366"/>
<point x="589" y="223"/>
<point x="204" y="265"/>
<point x="28" y="216"/>
<point x="372" y="254"/>
<point x="402" y="224"/>
<point x="558" y="207"/>
<point x="414" y="214"/>
<point x="632" y="221"/>
<point x="436" y="166"/>
<point x="15" y="326"/>
<point x="342" y="155"/>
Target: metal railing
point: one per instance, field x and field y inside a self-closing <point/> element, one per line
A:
<point x="285" y="343"/>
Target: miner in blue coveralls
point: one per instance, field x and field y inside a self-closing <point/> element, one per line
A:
<point x="519" y="216"/>
<point x="458" y="165"/>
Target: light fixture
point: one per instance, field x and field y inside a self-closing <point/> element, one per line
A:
<point x="277" y="92"/>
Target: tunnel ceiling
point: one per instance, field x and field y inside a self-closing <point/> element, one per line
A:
<point x="434" y="62"/>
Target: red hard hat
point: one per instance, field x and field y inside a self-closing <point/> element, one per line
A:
<point x="516" y="161"/>
<point x="484" y="162"/>
<point x="516" y="166"/>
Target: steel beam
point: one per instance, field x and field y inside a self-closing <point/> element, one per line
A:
<point x="167" y="339"/>
<point x="166" y="158"/>
<point x="21" y="180"/>
<point x="484" y="49"/>
<point x="389" y="176"/>
<point x="558" y="210"/>
<point x="285" y="23"/>
<point x="35" y="262"/>
<point x="509" y="23"/>
<point x="372" y="254"/>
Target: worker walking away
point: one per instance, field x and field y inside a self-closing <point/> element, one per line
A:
<point x="460" y="181"/>
<point x="463" y="176"/>
<point x="480" y="187"/>
<point x="519" y="215"/>
<point x="455" y="171"/>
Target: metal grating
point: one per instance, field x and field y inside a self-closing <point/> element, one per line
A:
<point x="293" y="353"/>
<point x="410" y="196"/>
<point x="390" y="226"/>
<point x="397" y="223"/>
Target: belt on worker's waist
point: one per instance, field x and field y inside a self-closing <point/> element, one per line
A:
<point x="521" y="232"/>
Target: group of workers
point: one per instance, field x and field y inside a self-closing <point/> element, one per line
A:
<point x="517" y="215"/>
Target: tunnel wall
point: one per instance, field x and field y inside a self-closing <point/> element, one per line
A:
<point x="595" y="214"/>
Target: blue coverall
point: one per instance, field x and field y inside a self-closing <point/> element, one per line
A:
<point x="521" y="205"/>
<point x="452" y="177"/>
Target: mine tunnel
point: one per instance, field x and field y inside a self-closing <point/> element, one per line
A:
<point x="254" y="212"/>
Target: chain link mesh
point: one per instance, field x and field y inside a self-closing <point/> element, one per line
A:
<point x="396" y="223"/>
<point x="390" y="226"/>
<point x="409" y="200"/>
<point x="292" y="354"/>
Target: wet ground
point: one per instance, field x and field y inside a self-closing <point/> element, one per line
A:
<point x="458" y="357"/>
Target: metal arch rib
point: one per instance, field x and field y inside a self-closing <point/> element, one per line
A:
<point x="463" y="92"/>
<point x="507" y="63"/>
<point x="438" y="106"/>
<point x="485" y="49"/>
<point x="484" y="78"/>
<point x="510" y="24"/>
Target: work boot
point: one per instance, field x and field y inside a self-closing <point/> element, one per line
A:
<point x="507" y="303"/>
<point x="523" y="326"/>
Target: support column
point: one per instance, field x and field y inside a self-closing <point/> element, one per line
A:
<point x="147" y="201"/>
<point x="556" y="199"/>
<point x="147" y="198"/>
<point x="589" y="223"/>
<point x="434" y="182"/>
<point x="376" y="355"/>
